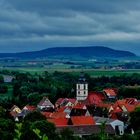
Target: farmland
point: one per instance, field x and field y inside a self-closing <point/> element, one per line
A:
<point x="91" y="72"/>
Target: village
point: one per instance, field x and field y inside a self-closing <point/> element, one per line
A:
<point x="85" y="113"/>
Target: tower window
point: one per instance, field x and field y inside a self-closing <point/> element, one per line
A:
<point x="84" y="86"/>
<point x="78" y="92"/>
<point x="78" y="86"/>
<point x="84" y="92"/>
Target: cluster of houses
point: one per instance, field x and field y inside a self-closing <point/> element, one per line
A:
<point x="85" y="113"/>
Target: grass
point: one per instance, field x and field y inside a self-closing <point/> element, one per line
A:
<point x="91" y="72"/>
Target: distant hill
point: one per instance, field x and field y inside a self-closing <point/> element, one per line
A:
<point x="72" y="52"/>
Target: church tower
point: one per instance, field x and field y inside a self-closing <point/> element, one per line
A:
<point x="81" y="88"/>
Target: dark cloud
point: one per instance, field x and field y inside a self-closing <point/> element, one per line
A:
<point x="45" y="23"/>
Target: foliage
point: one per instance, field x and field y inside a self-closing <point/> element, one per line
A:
<point x="34" y="116"/>
<point x="18" y="131"/>
<point x="128" y="92"/>
<point x="135" y="119"/>
<point x="6" y="129"/>
<point x="3" y="88"/>
<point x="1" y="79"/>
<point x="37" y="132"/>
<point x="46" y="128"/>
<point x="66" y="134"/>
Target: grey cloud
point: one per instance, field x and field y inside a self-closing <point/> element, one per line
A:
<point x="65" y="22"/>
<point x="102" y="6"/>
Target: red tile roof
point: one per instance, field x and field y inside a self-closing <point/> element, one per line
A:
<point x="120" y="102"/>
<point x="129" y="108"/>
<point x="61" y="109"/>
<point x="113" y="116"/>
<point x="65" y="101"/>
<point x="72" y="100"/>
<point x="59" y="101"/>
<point x="29" y="107"/>
<point x="82" y="120"/>
<point x="12" y="113"/>
<point x="105" y="105"/>
<point x="128" y="103"/>
<point x="79" y="106"/>
<point x="58" y="115"/>
<point x="117" y="109"/>
<point x="95" y="97"/>
<point x="46" y="114"/>
<point x="59" y="121"/>
<point x="110" y="92"/>
<point x="131" y="101"/>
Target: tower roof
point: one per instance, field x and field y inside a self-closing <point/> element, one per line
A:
<point x="82" y="78"/>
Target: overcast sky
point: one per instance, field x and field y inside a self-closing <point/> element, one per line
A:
<point x="27" y="25"/>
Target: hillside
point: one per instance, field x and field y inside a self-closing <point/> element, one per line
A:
<point x="72" y="52"/>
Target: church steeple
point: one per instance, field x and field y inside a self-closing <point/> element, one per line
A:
<point x="81" y="87"/>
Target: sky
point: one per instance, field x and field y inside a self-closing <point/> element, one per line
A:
<point x="29" y="25"/>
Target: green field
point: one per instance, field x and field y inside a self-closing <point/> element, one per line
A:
<point x="91" y="72"/>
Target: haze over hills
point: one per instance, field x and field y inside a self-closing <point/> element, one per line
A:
<point x="72" y="52"/>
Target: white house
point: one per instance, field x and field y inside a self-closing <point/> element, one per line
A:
<point x="45" y="104"/>
<point x="117" y="125"/>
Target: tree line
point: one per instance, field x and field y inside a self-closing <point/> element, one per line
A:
<point x="30" y="88"/>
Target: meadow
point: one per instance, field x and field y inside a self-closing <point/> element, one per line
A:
<point x="76" y="71"/>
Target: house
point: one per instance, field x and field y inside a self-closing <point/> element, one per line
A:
<point x="117" y="125"/>
<point x="110" y="93"/>
<point x="81" y="120"/>
<point x="114" y="110"/>
<point x="58" y="102"/>
<point x="8" y="78"/>
<point x="65" y="102"/>
<point x="15" y="109"/>
<point x="85" y="130"/>
<point x="121" y="108"/>
<point x="16" y="113"/>
<point x="19" y="116"/>
<point x="28" y="108"/>
<point x="124" y="105"/>
<point x="68" y="102"/>
<point x="45" y="104"/>
<point x="65" y="109"/>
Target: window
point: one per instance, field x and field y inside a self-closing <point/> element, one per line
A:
<point x="78" y="86"/>
<point x="84" y="86"/>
